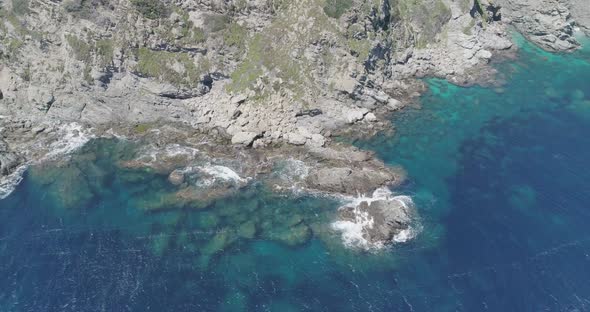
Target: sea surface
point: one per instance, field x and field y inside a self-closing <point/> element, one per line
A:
<point x="500" y="178"/>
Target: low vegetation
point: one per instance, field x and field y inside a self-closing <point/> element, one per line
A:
<point x="235" y="35"/>
<point x="176" y="68"/>
<point x="152" y="9"/>
<point x="335" y="8"/>
<point x="105" y="51"/>
<point x="85" y="9"/>
<point x="20" y="7"/>
<point x="82" y="50"/>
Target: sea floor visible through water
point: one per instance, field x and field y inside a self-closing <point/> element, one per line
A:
<point x="498" y="175"/>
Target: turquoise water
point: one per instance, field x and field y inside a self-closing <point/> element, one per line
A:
<point x="499" y="177"/>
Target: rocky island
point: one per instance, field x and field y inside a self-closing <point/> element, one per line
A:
<point x="227" y="92"/>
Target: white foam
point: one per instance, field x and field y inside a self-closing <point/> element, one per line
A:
<point x="173" y="150"/>
<point x="218" y="172"/>
<point x="150" y="154"/>
<point x="295" y="169"/>
<point x="291" y="173"/>
<point x="353" y="232"/>
<point x="9" y="183"/>
<point x="116" y="135"/>
<point x="72" y="136"/>
<point x="406" y="235"/>
<point x="382" y="193"/>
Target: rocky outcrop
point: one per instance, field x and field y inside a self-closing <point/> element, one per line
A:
<point x="378" y="222"/>
<point x="346" y="180"/>
<point x="9" y="161"/>
<point x="548" y="23"/>
<point x="207" y="66"/>
<point x="581" y="13"/>
<point x="176" y="177"/>
<point x="244" y="138"/>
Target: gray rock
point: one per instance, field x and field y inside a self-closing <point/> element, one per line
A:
<point x="244" y="138"/>
<point x="317" y="140"/>
<point x="394" y="104"/>
<point x="41" y="98"/>
<point x="296" y="138"/>
<point x="176" y="177"/>
<point x="38" y="129"/>
<point x="353" y="115"/>
<point x="239" y="99"/>
<point x="547" y="23"/>
<point x="370" y="117"/>
<point x="330" y="179"/>
<point x="8" y="160"/>
<point x="344" y="84"/>
<point x="390" y="217"/>
<point x="347" y="180"/>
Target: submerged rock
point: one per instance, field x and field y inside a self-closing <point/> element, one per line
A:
<point x="247" y="230"/>
<point x="292" y="236"/>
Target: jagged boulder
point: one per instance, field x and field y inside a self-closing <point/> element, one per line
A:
<point x="42" y="98"/>
<point x="8" y="160"/>
<point x="381" y="220"/>
<point x="176" y="177"/>
<point x="244" y="138"/>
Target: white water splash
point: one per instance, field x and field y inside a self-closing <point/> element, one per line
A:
<point x="295" y="169"/>
<point x="353" y="232"/>
<point x="151" y="154"/>
<point x="217" y="172"/>
<point x="291" y="173"/>
<point x="11" y="181"/>
<point x="174" y="150"/>
<point x="72" y="136"/>
<point x="116" y="135"/>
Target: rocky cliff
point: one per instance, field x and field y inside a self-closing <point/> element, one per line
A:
<point x="253" y="73"/>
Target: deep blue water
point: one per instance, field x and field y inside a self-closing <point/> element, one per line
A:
<point x="499" y="176"/>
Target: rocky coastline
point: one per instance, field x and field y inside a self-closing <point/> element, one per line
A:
<point x="250" y="88"/>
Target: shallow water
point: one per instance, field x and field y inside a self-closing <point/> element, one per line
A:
<point x="498" y="176"/>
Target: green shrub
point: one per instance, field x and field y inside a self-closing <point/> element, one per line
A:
<point x="87" y="74"/>
<point x="151" y="9"/>
<point x="158" y="64"/>
<point x="481" y="11"/>
<point x="104" y="50"/>
<point x="335" y="8"/>
<point x="82" y="50"/>
<point x="216" y="23"/>
<point x="84" y="8"/>
<point x="235" y="35"/>
<point x="20" y="7"/>
<point x="14" y="46"/>
<point x="141" y="128"/>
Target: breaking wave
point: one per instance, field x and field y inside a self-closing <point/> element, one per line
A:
<point x="72" y="136"/>
<point x="217" y="172"/>
<point x="11" y="181"/>
<point x="353" y="233"/>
